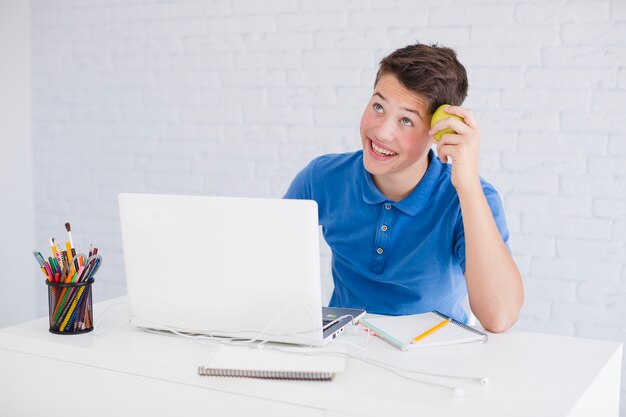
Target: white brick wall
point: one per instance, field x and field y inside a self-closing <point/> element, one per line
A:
<point x="233" y="97"/>
<point x="19" y="296"/>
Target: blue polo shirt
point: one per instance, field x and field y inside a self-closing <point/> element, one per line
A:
<point x="393" y="258"/>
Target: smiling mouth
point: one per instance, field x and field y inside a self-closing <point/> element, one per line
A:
<point x="381" y="151"/>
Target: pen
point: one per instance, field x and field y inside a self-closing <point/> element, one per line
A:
<point x="53" y="269"/>
<point x="79" y="273"/>
<point x="71" y="251"/>
<point x="39" y="258"/>
<point x="72" y="306"/>
<point x="68" y="249"/>
<point x="56" y="250"/>
<point x="71" y="262"/>
<point x="56" y="268"/>
<point x="430" y="331"/>
<point x="66" y="300"/>
<point x="91" y="266"/>
<point x="41" y="263"/>
<point x="45" y="274"/>
<point x="53" y="247"/>
<point x="64" y="258"/>
<point x="49" y="271"/>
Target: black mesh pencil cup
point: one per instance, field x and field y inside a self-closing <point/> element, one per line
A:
<point x="70" y="307"/>
<point x="69" y="276"/>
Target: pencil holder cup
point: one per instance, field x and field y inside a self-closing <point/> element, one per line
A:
<point x="70" y="308"/>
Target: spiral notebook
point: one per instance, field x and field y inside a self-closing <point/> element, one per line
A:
<point x="272" y="363"/>
<point x="400" y="331"/>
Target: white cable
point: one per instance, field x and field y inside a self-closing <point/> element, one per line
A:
<point x="338" y="319"/>
<point x="194" y="337"/>
<point x="361" y="348"/>
<point x="164" y="329"/>
<point x="96" y="325"/>
<point x="481" y="380"/>
<point x="208" y="336"/>
<point x="107" y="309"/>
<point x="394" y="369"/>
<point x="130" y="318"/>
<point x="260" y="335"/>
<point x="456" y="391"/>
<point x="98" y="333"/>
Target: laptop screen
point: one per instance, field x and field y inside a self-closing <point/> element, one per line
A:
<point x="238" y="267"/>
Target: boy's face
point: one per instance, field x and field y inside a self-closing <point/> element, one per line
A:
<point x="394" y="131"/>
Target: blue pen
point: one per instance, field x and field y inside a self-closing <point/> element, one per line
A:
<point x="96" y="266"/>
<point x="91" y="267"/>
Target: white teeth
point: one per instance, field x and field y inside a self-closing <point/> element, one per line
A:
<point x="381" y="150"/>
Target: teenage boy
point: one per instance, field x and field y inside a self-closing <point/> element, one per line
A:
<point x="410" y="232"/>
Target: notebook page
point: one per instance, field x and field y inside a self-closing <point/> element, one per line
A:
<point x="405" y="328"/>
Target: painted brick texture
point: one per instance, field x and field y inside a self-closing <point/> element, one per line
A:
<point x="233" y="97"/>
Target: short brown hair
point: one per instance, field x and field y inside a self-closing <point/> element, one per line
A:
<point x="431" y="71"/>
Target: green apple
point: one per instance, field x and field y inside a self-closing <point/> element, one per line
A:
<point x="440" y="114"/>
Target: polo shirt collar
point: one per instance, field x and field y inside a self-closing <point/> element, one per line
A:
<point x="414" y="202"/>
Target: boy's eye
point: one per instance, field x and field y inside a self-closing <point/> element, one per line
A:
<point x="406" y="121"/>
<point x="378" y="108"/>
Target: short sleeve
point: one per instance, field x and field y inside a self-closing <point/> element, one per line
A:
<point x="301" y="186"/>
<point x="497" y="211"/>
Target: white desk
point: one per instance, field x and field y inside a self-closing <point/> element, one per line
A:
<point x="128" y="372"/>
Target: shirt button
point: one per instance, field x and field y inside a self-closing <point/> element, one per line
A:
<point x="383" y="228"/>
<point x="387" y="206"/>
<point x="379" y="251"/>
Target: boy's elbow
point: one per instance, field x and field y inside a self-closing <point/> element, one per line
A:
<point x="501" y="323"/>
<point x="503" y="319"/>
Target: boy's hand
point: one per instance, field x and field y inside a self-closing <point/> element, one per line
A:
<point x="462" y="148"/>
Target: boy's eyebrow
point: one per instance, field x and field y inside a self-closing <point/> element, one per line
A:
<point x="376" y="93"/>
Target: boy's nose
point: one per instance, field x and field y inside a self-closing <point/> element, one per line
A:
<point x="385" y="132"/>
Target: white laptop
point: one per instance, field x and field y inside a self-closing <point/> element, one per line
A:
<point x="244" y="268"/>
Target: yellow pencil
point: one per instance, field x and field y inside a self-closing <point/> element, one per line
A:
<point x="54" y="248"/>
<point x="68" y="249"/>
<point x="71" y="310"/>
<point x="430" y="331"/>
